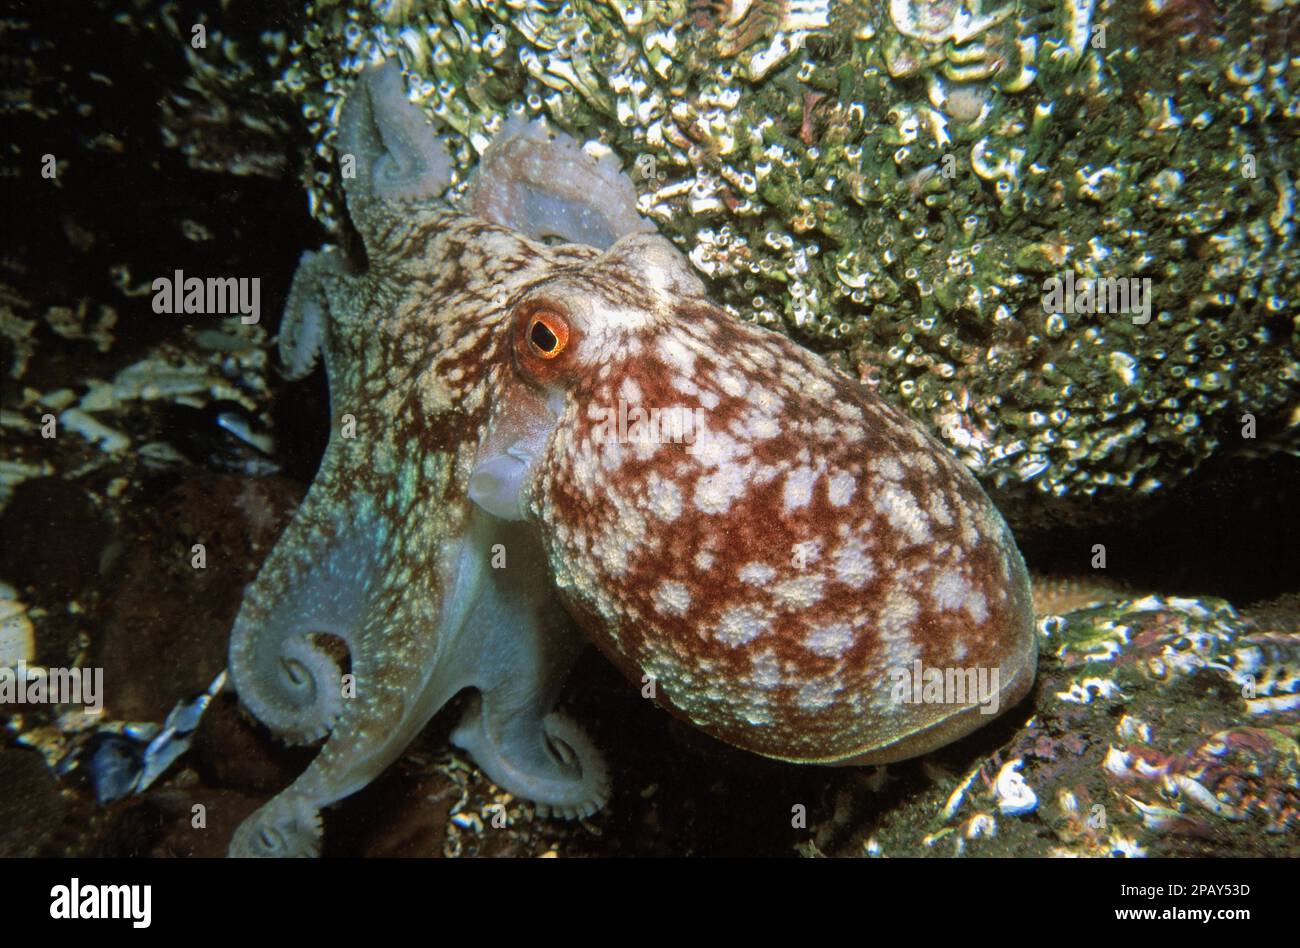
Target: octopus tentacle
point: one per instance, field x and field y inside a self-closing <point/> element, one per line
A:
<point x="287" y="827"/>
<point x="398" y="159"/>
<point x="306" y="314"/>
<point x="547" y="760"/>
<point x="516" y="649"/>
<point x="396" y="692"/>
<point x="567" y="740"/>
<point x="280" y="673"/>
<point x="542" y="184"/>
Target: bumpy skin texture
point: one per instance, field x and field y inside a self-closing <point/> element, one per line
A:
<point x="770" y="575"/>
<point x="769" y="570"/>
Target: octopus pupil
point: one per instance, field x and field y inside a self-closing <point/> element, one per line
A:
<point x="543" y="338"/>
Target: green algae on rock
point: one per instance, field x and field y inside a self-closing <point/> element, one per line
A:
<point x="892" y="183"/>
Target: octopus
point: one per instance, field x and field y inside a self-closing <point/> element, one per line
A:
<point x="545" y="435"/>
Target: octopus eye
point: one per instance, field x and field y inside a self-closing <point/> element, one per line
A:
<point x="548" y="334"/>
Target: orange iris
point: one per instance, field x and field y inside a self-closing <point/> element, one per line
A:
<point x="548" y="334"/>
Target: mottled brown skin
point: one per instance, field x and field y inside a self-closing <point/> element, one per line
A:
<point x="617" y="527"/>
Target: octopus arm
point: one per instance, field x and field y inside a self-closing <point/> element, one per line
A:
<point x="541" y="183"/>
<point x="515" y="646"/>
<point x="306" y="316"/>
<point x="395" y="169"/>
